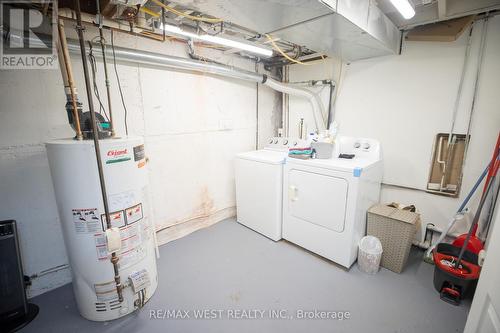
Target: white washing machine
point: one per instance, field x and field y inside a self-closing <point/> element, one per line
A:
<point x="325" y="200"/>
<point x="259" y="186"/>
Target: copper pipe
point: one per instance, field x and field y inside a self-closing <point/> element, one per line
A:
<point x="69" y="73"/>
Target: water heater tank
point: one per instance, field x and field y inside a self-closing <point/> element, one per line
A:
<point x="76" y="183"/>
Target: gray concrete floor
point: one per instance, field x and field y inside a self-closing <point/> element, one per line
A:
<point x="230" y="267"/>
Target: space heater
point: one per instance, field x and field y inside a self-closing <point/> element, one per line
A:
<point x="15" y="312"/>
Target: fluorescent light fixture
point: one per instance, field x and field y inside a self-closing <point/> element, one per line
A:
<point x="219" y="41"/>
<point x="404" y="7"/>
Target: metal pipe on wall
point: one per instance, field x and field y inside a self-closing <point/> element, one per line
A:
<point x="114" y="256"/>
<point x="285" y="124"/>
<point x="150" y="58"/>
<point x="168" y="61"/>
<point x="156" y="59"/>
<point x="482" y="46"/>
<point x="314" y="99"/>
<point x="480" y="59"/>
<point x="105" y="64"/>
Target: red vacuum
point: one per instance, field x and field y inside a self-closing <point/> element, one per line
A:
<point x="457" y="268"/>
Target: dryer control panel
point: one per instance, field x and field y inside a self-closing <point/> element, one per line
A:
<point x="360" y="147"/>
<point x="283" y="143"/>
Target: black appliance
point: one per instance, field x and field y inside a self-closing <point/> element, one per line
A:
<point x="15" y="312"/>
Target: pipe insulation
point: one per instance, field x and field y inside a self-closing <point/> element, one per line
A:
<point x="168" y="61"/>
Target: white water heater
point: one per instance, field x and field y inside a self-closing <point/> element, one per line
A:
<point x="76" y="183"/>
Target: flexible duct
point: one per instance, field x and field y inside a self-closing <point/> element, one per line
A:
<point x="168" y="61"/>
<point x="316" y="103"/>
<point x="150" y="58"/>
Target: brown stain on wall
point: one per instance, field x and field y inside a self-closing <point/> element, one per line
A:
<point x="203" y="209"/>
<point x="206" y="204"/>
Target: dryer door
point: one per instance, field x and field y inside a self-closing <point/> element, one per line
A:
<point x="318" y="199"/>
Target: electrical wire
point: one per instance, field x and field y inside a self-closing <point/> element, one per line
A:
<point x="277" y="48"/>
<point x="179" y="13"/>
<point x="461" y="82"/>
<point x="118" y="81"/>
<point x="93" y="67"/>
<point x="217" y="20"/>
<point x="149" y="11"/>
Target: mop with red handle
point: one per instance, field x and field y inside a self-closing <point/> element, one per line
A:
<point x="470" y="239"/>
<point x="457" y="267"/>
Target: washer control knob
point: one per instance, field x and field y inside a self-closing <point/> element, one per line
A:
<point x="357" y="144"/>
<point x="366" y="145"/>
<point x="276" y="141"/>
<point x="295" y="143"/>
<point x="270" y="140"/>
<point x="285" y="142"/>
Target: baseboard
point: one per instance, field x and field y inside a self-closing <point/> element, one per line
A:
<point x="183" y="229"/>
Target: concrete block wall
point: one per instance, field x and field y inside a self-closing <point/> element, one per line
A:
<point x="193" y="125"/>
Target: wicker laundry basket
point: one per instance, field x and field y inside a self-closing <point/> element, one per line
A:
<point x="395" y="228"/>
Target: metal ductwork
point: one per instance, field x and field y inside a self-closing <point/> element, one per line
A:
<point x="150" y="58"/>
<point x="168" y="61"/>
<point x="348" y="29"/>
<point x="162" y="60"/>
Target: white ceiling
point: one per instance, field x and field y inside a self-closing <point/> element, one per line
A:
<point x="428" y="11"/>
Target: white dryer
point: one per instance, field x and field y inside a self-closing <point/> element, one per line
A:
<point x="259" y="187"/>
<point x="325" y="200"/>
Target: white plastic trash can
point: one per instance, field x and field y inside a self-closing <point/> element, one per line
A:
<point x="369" y="254"/>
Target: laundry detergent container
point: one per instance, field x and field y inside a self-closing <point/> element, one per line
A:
<point x="369" y="254"/>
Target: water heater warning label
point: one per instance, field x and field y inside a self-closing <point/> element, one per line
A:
<point x="134" y="213"/>
<point x="131" y="250"/>
<point x="117" y="219"/>
<point x="139" y="153"/>
<point x="86" y="220"/>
